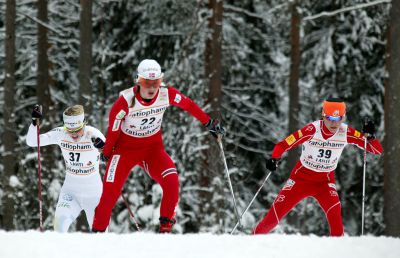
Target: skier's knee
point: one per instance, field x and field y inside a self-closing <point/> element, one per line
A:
<point x="170" y="180"/>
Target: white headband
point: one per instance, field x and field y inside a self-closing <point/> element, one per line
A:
<point x="73" y="122"/>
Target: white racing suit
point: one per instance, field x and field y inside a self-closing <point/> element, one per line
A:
<point x="82" y="186"/>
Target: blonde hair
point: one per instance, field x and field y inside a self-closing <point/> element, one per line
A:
<point x="74" y="110"/>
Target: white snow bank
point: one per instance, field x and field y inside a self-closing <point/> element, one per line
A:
<point x="34" y="244"/>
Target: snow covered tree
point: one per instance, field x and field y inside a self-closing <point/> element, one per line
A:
<point x="341" y="55"/>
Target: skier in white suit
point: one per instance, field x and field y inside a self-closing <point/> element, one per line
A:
<point x="79" y="145"/>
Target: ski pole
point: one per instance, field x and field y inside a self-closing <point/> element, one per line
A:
<point x="251" y="202"/>
<point x="229" y="178"/>
<point x="39" y="176"/>
<point x="130" y="212"/>
<point x="363" y="190"/>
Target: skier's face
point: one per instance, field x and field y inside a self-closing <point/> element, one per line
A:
<point x="332" y="125"/>
<point x="148" y="93"/>
<point x="148" y="88"/>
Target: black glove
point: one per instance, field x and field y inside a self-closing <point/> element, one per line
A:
<point x="369" y="128"/>
<point x="215" y="127"/>
<point x="103" y="158"/>
<point x="98" y="143"/>
<point x="272" y="164"/>
<point x="36" y="114"/>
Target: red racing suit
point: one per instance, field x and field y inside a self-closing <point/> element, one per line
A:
<point x="134" y="138"/>
<point x="313" y="174"/>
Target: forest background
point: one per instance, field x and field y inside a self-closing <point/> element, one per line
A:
<point x="262" y="67"/>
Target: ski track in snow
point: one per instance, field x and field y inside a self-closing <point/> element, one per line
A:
<point x="32" y="244"/>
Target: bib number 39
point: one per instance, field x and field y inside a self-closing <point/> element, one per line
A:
<point x="324" y="153"/>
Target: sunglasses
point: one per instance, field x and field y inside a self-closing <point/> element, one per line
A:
<point x="74" y="130"/>
<point x="149" y="83"/>
<point x="334" y="118"/>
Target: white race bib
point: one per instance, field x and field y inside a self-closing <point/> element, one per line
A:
<point x="81" y="157"/>
<point x="322" y="155"/>
<point x="144" y="121"/>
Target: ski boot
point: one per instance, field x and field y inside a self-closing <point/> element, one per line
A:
<point x="166" y="224"/>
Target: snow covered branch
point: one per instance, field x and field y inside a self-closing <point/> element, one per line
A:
<point x="252" y="14"/>
<point x="346" y="9"/>
<point x="41" y="23"/>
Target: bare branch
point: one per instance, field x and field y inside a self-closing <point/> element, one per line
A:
<point x="346" y="9"/>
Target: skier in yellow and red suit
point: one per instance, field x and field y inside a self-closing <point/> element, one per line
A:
<point x="313" y="175"/>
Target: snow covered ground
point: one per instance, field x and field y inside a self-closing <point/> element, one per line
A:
<point x="34" y="244"/>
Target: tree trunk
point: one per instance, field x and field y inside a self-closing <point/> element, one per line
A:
<point x="294" y="80"/>
<point x="9" y="136"/>
<point x="85" y="67"/>
<point x="44" y="97"/>
<point x="43" y="90"/>
<point x="293" y="115"/>
<point x="85" y="56"/>
<point x="213" y="73"/>
<point x="213" y="55"/>
<point x="392" y="124"/>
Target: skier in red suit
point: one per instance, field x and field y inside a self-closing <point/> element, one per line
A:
<point x="313" y="175"/>
<point x="134" y="138"/>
